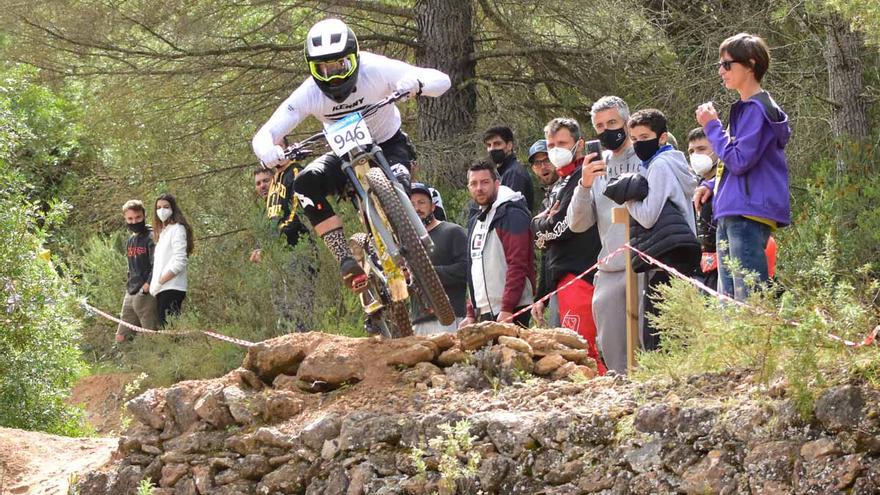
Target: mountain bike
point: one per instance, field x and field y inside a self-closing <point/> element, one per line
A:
<point x="394" y="249"/>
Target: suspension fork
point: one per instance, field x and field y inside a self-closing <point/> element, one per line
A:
<point x="379" y="159"/>
<point x="371" y="214"/>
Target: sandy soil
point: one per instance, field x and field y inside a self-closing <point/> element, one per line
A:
<point x="42" y="464"/>
<point x="102" y="398"/>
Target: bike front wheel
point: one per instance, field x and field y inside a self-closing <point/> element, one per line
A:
<point x="417" y="259"/>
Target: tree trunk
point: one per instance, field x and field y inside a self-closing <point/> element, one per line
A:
<point x="849" y="120"/>
<point x="447" y="43"/>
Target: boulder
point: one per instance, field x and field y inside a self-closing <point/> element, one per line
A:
<point x="411" y="354"/>
<point x="840" y="408"/>
<point x="658" y="418"/>
<point x="548" y="364"/>
<point x="477" y="335"/>
<point x="462" y="377"/>
<point x="563" y="372"/>
<point x="328" y="367"/>
<point x="443" y="341"/>
<point x="361" y="430"/>
<point x="819" y="448"/>
<point x="240" y="405"/>
<point x="509" y="432"/>
<point x="253" y="467"/>
<point x="695" y="422"/>
<point x="171" y="474"/>
<point x="289" y="478"/>
<point x="421" y="373"/>
<point x="770" y="466"/>
<point x="316" y="433"/>
<point x="180" y="401"/>
<point x="647" y="457"/>
<point x="541" y="344"/>
<point x="452" y="356"/>
<point x="286" y="382"/>
<point x="711" y="475"/>
<point x="513" y="361"/>
<point x="516" y="343"/>
<point x="282" y="355"/>
<point x="246" y="378"/>
<point x="147" y="408"/>
<point x="211" y="407"/>
<point x="564" y="336"/>
<point x="282" y="405"/>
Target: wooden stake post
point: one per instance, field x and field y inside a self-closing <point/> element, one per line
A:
<point x="621" y="215"/>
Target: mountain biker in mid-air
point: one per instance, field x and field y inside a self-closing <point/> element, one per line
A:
<point x="343" y="80"/>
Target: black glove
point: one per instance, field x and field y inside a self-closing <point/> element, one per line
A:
<point x="627" y="187"/>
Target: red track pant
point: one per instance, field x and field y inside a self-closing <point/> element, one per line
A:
<point x="576" y="313"/>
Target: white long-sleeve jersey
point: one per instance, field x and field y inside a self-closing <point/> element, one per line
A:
<point x="378" y="77"/>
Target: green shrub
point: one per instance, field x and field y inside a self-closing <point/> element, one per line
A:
<point x="39" y="358"/>
<point x="781" y="336"/>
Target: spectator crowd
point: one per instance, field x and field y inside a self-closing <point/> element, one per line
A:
<point x="526" y="251"/>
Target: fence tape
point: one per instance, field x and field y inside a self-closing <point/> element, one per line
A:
<point x="869" y="339"/>
<point x="208" y="333"/>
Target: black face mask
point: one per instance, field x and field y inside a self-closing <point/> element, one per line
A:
<point x="646" y="149"/>
<point x="139" y="227"/>
<point x="428" y="219"/>
<point x="612" y="139"/>
<point x="497" y="156"/>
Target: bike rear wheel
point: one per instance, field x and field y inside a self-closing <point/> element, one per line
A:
<point x="411" y="246"/>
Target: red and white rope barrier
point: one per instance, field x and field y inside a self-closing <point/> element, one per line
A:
<point x="208" y="333"/>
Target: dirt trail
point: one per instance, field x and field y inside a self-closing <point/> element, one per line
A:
<point x="102" y="398"/>
<point x="42" y="464"/>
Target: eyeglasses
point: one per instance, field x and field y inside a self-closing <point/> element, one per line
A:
<point x="727" y="64"/>
<point x="541" y="163"/>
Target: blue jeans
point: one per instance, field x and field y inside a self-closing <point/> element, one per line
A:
<point x="744" y="240"/>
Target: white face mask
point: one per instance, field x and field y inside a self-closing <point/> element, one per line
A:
<point x="560" y="157"/>
<point x="701" y="163"/>
<point x="163" y="213"/>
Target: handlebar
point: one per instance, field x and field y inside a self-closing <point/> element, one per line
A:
<point x="298" y="151"/>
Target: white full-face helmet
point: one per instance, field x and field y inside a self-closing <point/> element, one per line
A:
<point x="332" y="52"/>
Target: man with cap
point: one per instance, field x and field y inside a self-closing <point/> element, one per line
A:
<point x="450" y="259"/>
<point x="547" y="178"/>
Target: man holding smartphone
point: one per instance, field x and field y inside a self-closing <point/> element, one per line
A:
<point x="567" y="254"/>
<point x="590" y="208"/>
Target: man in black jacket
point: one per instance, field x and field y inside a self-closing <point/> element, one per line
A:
<point x="450" y="259"/>
<point x="281" y="206"/>
<point x="138" y="306"/>
<point x="499" y="145"/>
<point x="567" y="254"/>
<point x="547" y="179"/>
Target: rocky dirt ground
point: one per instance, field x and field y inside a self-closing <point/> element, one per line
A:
<point x="102" y="397"/>
<point x="41" y="464"/>
<point x="494" y="409"/>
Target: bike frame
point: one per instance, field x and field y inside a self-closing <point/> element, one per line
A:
<point x="357" y="162"/>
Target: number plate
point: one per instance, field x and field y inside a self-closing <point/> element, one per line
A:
<point x="348" y="132"/>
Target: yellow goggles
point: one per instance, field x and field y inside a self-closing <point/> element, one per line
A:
<point x="328" y="70"/>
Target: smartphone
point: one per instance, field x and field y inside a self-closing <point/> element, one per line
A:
<point x="593" y="146"/>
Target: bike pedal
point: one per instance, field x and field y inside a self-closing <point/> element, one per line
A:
<point x="359" y="283"/>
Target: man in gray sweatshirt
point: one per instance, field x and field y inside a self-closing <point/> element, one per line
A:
<point x="588" y="207"/>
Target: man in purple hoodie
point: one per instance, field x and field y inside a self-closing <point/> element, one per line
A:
<point x="751" y="194"/>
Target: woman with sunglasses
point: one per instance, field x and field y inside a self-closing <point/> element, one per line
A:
<point x="750" y="192"/>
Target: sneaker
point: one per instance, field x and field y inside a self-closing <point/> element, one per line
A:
<point x="352" y="274"/>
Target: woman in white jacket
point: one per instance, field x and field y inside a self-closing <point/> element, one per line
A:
<point x="174" y="243"/>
